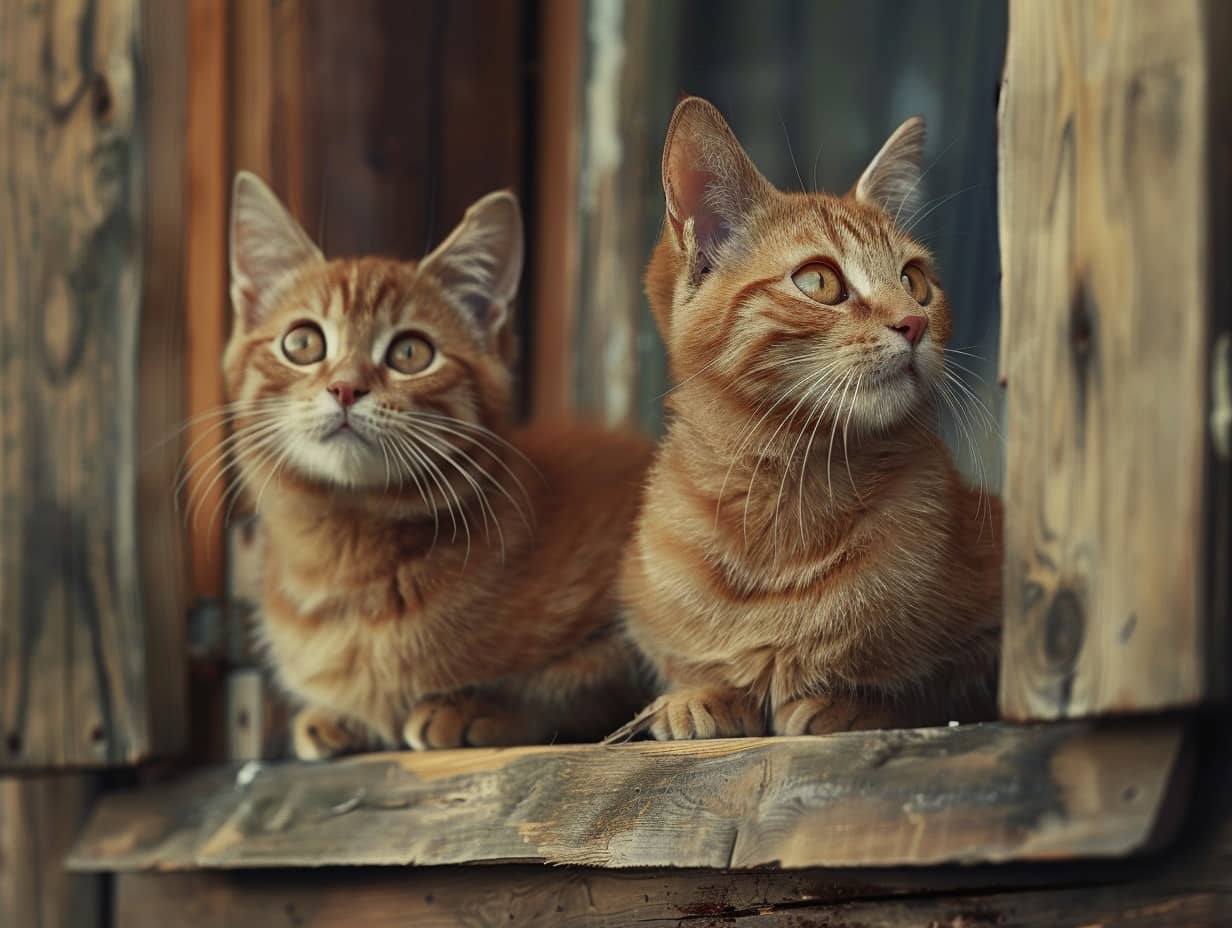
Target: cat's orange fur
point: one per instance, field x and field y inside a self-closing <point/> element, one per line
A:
<point x="431" y="575"/>
<point x="808" y="559"/>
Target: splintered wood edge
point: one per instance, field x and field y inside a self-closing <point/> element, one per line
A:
<point x="975" y="794"/>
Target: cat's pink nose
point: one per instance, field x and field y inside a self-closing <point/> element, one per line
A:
<point x="345" y="393"/>
<point x="911" y="328"/>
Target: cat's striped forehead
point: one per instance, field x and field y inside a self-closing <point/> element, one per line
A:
<point x="863" y="240"/>
<point x="365" y="289"/>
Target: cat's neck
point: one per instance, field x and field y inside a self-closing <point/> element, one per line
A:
<point x="757" y="466"/>
<point x="437" y="518"/>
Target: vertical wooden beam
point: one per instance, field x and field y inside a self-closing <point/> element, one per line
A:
<point x="88" y="554"/>
<point x="628" y="100"/>
<point x="206" y="301"/>
<point x="162" y="356"/>
<point x="556" y="206"/>
<point x="1109" y="256"/>
<point x="39" y="819"/>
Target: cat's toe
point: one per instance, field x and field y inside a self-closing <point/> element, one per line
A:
<point x="705" y="714"/>
<point x="434" y="725"/>
<point x="316" y="735"/>
<point x="825" y="716"/>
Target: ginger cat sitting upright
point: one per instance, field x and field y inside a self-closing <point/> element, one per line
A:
<point x="432" y="576"/>
<point x="808" y="559"/>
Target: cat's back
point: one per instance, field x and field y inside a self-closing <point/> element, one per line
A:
<point x="584" y="472"/>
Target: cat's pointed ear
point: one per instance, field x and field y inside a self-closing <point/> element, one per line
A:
<point x="710" y="183"/>
<point x="892" y="178"/>
<point x="480" y="263"/>
<point x="267" y="247"/>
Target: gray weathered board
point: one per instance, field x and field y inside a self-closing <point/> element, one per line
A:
<point x="1114" y="143"/>
<point x="91" y="165"/>
<point x="972" y="794"/>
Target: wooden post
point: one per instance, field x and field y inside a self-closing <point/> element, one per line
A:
<point x="628" y="103"/>
<point x="39" y="819"/>
<point x="91" y="621"/>
<point x="1112" y="117"/>
<point x="556" y="207"/>
<point x="205" y="294"/>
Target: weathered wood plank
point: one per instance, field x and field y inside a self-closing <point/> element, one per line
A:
<point x="973" y="794"/>
<point x="1108" y="252"/>
<point x="630" y="85"/>
<point x="89" y="551"/>
<point x="1188" y="886"/>
<point x="39" y="818"/>
<point x="472" y="898"/>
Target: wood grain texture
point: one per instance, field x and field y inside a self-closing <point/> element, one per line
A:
<point x="490" y="897"/>
<point x="629" y="87"/>
<point x="1107" y="251"/>
<point x="379" y="121"/>
<point x="555" y="220"/>
<point x="206" y="301"/>
<point x="976" y="794"/>
<point x="91" y="669"/>
<point x="39" y="817"/>
<point x="1190" y="885"/>
<point x="162" y="356"/>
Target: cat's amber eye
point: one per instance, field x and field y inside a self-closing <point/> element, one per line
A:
<point x="410" y="354"/>
<point x="821" y="282"/>
<point x="304" y="344"/>
<point x="915" y="283"/>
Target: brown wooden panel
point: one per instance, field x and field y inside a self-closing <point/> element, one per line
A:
<point x="1108" y="254"/>
<point x="555" y="220"/>
<point x="39" y="817"/>
<point x="205" y="292"/>
<point x="972" y="794"/>
<point x="379" y="121"/>
<point x="578" y="899"/>
<point x="90" y="345"/>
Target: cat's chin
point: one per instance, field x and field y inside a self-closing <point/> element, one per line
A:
<point x="343" y="460"/>
<point x="890" y="403"/>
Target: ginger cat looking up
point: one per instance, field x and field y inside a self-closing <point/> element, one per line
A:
<point x="431" y="575"/>
<point x="808" y="559"/>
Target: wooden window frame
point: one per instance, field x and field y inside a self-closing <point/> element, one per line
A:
<point x="1061" y="788"/>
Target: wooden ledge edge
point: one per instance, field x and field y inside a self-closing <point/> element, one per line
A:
<point x="975" y="794"/>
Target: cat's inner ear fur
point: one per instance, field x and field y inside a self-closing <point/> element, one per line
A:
<point x="892" y="179"/>
<point x="267" y="247"/>
<point x="710" y="184"/>
<point x="480" y="263"/>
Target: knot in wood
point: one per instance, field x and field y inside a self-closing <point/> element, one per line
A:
<point x="102" y="101"/>
<point x="1064" y="628"/>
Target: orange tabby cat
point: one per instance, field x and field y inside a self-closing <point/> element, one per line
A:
<point x="808" y="558"/>
<point x="431" y="576"/>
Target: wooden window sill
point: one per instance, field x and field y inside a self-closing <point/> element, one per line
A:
<point x="975" y="794"/>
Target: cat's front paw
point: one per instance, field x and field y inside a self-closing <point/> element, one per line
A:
<point x="461" y="721"/>
<point x="824" y="715"/>
<point x="710" y="712"/>
<point x="317" y="734"/>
